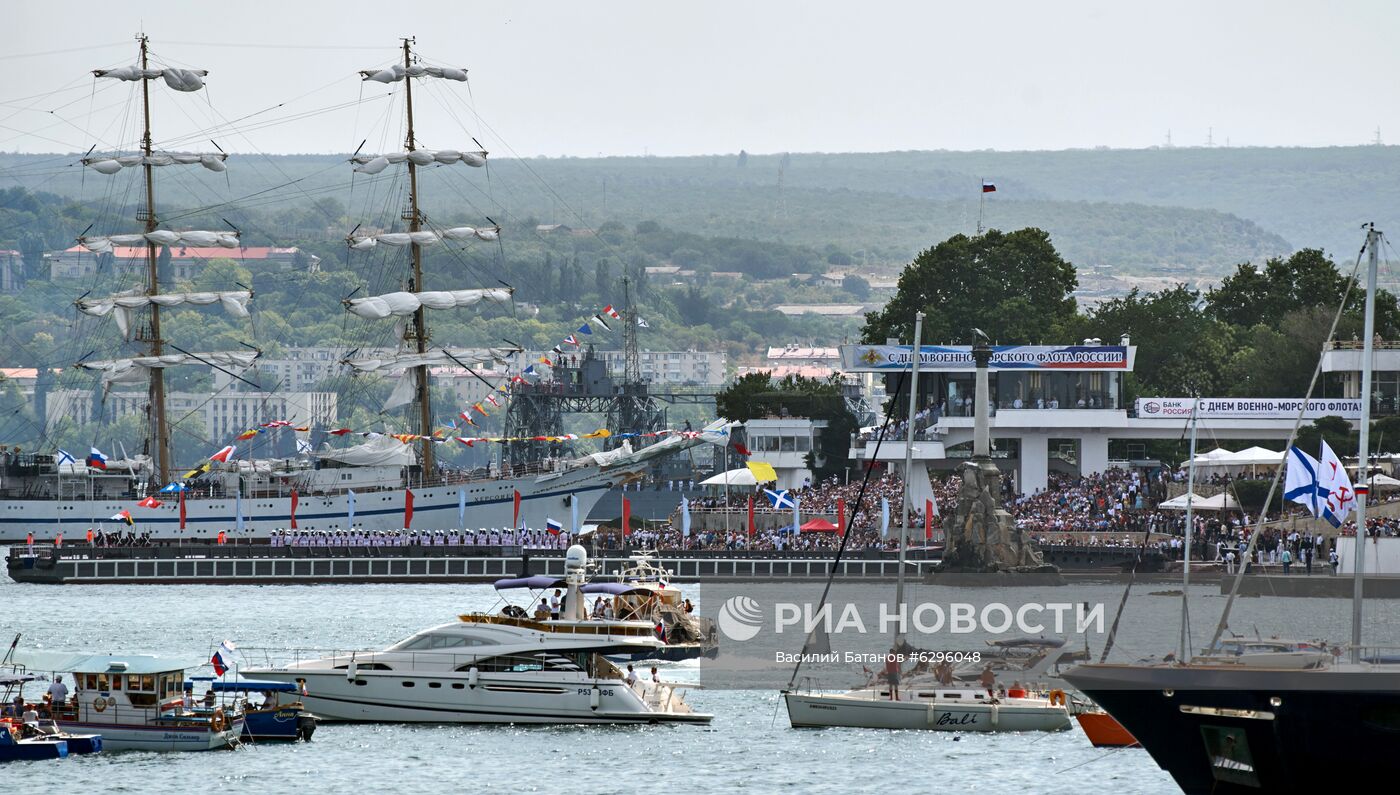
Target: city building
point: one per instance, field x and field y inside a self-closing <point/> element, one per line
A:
<point x="225" y="415"/>
<point x="11" y="270"/>
<point x="785" y="442"/>
<point x="659" y="367"/>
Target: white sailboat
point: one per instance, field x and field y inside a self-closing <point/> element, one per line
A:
<point x="890" y="706"/>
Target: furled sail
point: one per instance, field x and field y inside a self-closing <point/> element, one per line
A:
<point x="101" y="244"/>
<point x="214" y="161"/>
<point x="397" y="72"/>
<point x="436" y="358"/>
<point x="234" y="302"/>
<point x="402" y="304"/>
<point x="373" y="164"/>
<point x="178" y="79"/>
<point x="133" y="370"/>
<point x="363" y="242"/>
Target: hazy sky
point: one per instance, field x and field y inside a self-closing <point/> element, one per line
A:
<point x="665" y="77"/>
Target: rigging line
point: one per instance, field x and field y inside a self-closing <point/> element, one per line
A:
<point x="1292" y="436"/>
<point x="264" y="46"/>
<point x="860" y="499"/>
<point x="87" y="48"/>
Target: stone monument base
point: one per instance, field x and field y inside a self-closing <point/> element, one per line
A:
<point x="1043" y="576"/>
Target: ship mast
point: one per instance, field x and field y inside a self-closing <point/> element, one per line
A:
<point x="159" y="429"/>
<point x="418" y="333"/>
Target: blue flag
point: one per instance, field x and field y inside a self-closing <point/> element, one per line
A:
<point x="350" y="503"/>
<point x="573" y="514"/>
<point x="796" y="517"/>
<point x="884" y="517"/>
<point x="462" y="507"/>
<point x="238" y="506"/>
<point x="585" y="329"/>
<point x="780" y="499"/>
<point x="685" y="517"/>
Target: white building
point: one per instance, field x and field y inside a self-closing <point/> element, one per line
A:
<point x="225" y="415"/>
<point x="785" y="443"/>
<point x="657" y="367"/>
<point x="1062" y="405"/>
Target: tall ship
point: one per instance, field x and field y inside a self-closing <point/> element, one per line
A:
<point x="385" y="481"/>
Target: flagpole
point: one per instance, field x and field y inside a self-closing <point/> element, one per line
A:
<point x="907" y="503"/>
<point x="981" y="204"/>
<point x="1186" y="559"/>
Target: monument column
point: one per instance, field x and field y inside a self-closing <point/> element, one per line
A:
<point x="981" y="428"/>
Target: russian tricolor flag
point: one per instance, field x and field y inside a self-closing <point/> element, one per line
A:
<point x="554" y="528"/>
<point x="223" y="658"/>
<point x="97" y="460"/>
<point x="989" y="187"/>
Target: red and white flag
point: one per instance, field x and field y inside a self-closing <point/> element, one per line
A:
<point x="223" y="454"/>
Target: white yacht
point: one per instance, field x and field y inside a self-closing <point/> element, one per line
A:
<point x="497" y="668"/>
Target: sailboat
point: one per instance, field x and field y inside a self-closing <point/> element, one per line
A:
<point x="920" y="703"/>
<point x="1221" y="727"/>
<point x="396" y="486"/>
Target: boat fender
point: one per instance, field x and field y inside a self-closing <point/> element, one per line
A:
<point x="473" y="677"/>
<point x="217" y="722"/>
<point x="351" y="670"/>
<point x="595" y="698"/>
<point x="996" y="715"/>
<point x="1057" y="698"/>
<point x="99" y="703"/>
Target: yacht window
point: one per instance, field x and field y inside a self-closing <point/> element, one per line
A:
<point x="539" y="661"/>
<point x="116" y="681"/>
<point x="435" y="684"/>
<point x="102" y="682"/>
<point x="457" y="685"/>
<point x="407" y="684"/>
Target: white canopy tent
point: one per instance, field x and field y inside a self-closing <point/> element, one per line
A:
<point x="734" y="477"/>
<point x="1257" y="457"/>
<point x="1220" y="502"/>
<point x="1384" y="483"/>
<point x="1178" y="503"/>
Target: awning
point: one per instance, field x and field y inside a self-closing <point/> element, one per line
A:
<point x="734" y="477"/>
<point x="536" y="582"/>
<point x="819" y="525"/>
<point x="246" y="685"/>
<point x="1178" y="503"/>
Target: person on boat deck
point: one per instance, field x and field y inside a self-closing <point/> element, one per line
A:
<point x="631" y="677"/>
<point x="58" y="691"/>
<point x="655" y="677"/>
<point x="18" y="708"/>
<point x="608" y="612"/>
<point x="689" y="608"/>
<point x="188" y="700"/>
<point x="209" y="698"/>
<point x="31" y="717"/>
<point x="598" y="608"/>
<point x="554" y="603"/>
<point x="269" y="699"/>
<point x="989" y="680"/>
<point x="892" y="672"/>
<point x="542" y="610"/>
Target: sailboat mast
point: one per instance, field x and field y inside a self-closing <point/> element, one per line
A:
<point x="419" y="331"/>
<point x="1373" y="245"/>
<point x="907" y="503"/>
<point x="157" y="375"/>
<point x="1186" y="547"/>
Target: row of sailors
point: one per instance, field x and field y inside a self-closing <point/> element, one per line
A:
<point x="495" y="537"/>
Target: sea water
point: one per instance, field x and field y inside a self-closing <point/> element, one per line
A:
<point x="748" y="748"/>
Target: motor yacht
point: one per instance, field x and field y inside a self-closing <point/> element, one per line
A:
<point x="502" y="667"/>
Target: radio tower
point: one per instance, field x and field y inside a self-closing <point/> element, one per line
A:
<point x="632" y="360"/>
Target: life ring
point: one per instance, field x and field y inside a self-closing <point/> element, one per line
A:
<point x="99" y="703"/>
<point x="216" y="722"/>
<point x="1057" y="698"/>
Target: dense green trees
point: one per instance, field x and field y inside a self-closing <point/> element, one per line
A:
<point x="1013" y="285"/>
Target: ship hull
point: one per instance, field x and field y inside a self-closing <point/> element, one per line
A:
<point x="489" y="504"/>
<point x="1225" y="730"/>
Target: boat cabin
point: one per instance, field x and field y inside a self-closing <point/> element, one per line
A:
<point x="115" y="689"/>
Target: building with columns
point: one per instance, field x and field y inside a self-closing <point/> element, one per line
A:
<point x="1058" y="408"/>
